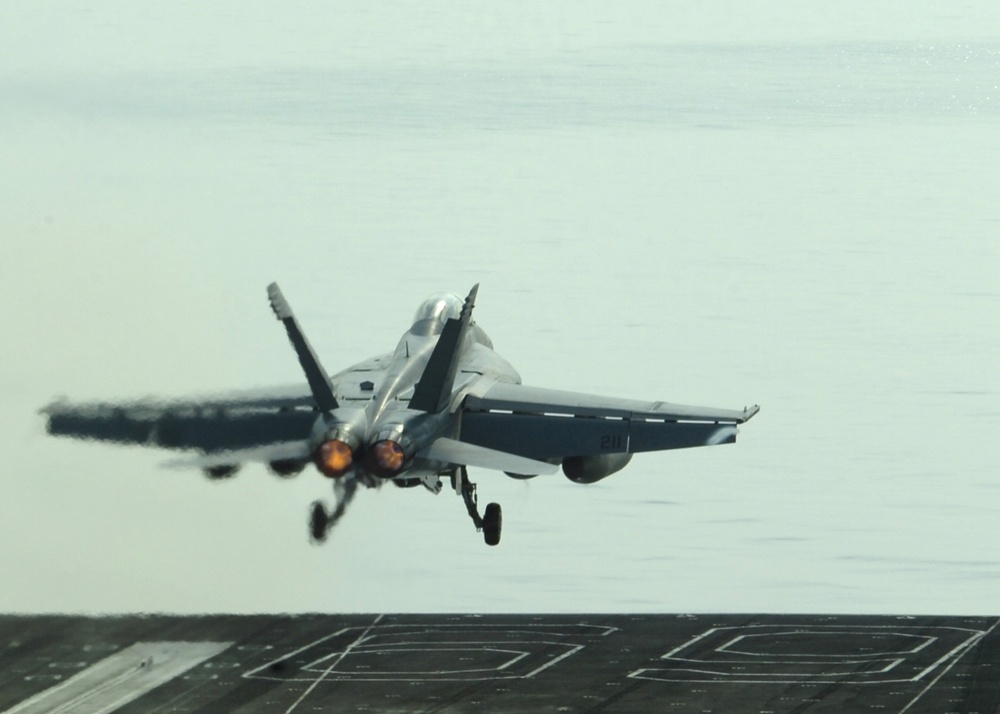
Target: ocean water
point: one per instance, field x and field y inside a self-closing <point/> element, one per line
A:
<point x="789" y="210"/>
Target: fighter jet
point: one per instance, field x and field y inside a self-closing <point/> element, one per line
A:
<point x="441" y="402"/>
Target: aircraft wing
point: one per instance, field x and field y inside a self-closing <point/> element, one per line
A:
<point x="210" y="425"/>
<point x="548" y="424"/>
<point x="230" y="422"/>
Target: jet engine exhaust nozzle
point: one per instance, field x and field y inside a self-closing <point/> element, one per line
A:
<point x="334" y="458"/>
<point x="386" y="458"/>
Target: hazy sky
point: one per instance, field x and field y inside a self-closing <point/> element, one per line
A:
<point x="783" y="204"/>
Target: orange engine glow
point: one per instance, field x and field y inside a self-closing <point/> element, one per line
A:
<point x="334" y="458"/>
<point x="387" y="458"/>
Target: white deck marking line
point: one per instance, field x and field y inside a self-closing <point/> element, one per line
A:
<point x="891" y="664"/>
<point x="437" y="676"/>
<point x="337" y="661"/>
<point x="649" y="673"/>
<point x="282" y="658"/>
<point x="927" y="640"/>
<point x="558" y="659"/>
<point x="426" y="647"/>
<point x="723" y="648"/>
<point x="677" y="649"/>
<point x="120" y="678"/>
<point x="968" y="645"/>
<point x="513" y="661"/>
<point x="944" y="658"/>
<point x="367" y="642"/>
<point x="363" y="649"/>
<point x="500" y="628"/>
<point x="845" y="629"/>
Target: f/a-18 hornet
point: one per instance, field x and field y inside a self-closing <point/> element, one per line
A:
<point x="441" y="402"/>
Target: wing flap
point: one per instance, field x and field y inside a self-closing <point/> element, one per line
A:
<point x="544" y="437"/>
<point x="520" y="399"/>
<point x="546" y="424"/>
<point x="556" y="437"/>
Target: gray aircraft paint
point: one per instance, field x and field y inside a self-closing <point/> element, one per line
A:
<point x="443" y="399"/>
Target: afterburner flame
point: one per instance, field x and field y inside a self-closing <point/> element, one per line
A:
<point x="334" y="458"/>
<point x="387" y="458"/>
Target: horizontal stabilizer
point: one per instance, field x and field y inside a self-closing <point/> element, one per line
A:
<point x="282" y="451"/>
<point x="462" y="454"/>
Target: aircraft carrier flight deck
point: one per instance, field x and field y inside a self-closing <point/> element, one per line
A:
<point x="499" y="663"/>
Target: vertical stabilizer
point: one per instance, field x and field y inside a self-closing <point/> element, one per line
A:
<point x="433" y="391"/>
<point x="319" y="381"/>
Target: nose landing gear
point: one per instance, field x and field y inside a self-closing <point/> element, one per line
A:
<point x="321" y="521"/>
<point x="491" y="521"/>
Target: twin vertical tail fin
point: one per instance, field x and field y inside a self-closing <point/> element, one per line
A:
<point x="433" y="391"/>
<point x="319" y="381"/>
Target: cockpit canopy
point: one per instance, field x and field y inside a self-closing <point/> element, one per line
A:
<point x="435" y="311"/>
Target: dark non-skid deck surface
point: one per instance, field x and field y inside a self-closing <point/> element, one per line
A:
<point x="500" y="663"/>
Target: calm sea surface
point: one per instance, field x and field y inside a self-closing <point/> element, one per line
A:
<point x="810" y="225"/>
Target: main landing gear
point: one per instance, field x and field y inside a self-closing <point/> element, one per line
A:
<point x="491" y="521"/>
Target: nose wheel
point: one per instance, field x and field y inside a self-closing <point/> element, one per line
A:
<point x="491" y="522"/>
<point x="319" y="522"/>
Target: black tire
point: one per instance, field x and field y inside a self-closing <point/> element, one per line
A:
<point x="286" y="468"/>
<point x="492" y="523"/>
<point x="317" y="523"/>
<point x="221" y="472"/>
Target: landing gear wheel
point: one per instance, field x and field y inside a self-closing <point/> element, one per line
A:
<point x="492" y="522"/>
<point x="318" y="522"/>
